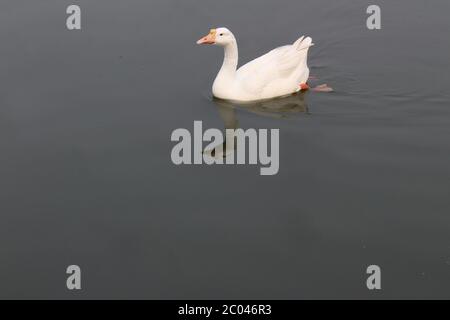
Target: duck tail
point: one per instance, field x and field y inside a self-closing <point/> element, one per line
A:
<point x="303" y="43"/>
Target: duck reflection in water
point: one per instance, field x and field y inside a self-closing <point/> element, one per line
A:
<point x="284" y="107"/>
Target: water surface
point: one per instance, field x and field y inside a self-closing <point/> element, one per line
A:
<point x="86" y="175"/>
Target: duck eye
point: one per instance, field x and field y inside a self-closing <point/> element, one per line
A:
<point x="221" y="34"/>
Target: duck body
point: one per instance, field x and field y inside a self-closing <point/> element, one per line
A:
<point x="277" y="73"/>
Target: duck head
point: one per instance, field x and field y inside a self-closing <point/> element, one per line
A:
<point x="218" y="36"/>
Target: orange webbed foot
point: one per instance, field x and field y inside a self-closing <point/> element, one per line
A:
<point x="323" y="88"/>
<point x="304" y="86"/>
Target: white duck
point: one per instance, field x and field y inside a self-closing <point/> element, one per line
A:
<point x="280" y="72"/>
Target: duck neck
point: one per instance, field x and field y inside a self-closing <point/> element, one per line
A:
<point x="230" y="60"/>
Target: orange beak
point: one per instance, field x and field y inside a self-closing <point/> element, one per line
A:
<point x="210" y="38"/>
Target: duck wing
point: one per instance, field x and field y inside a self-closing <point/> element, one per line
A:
<point x="279" y="63"/>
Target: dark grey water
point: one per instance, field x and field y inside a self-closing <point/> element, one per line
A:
<point x="86" y="176"/>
